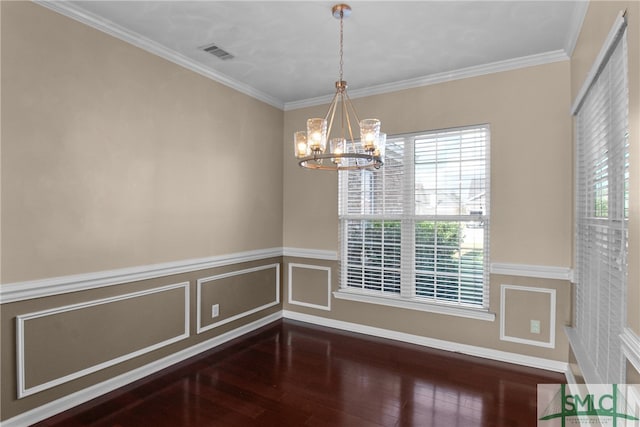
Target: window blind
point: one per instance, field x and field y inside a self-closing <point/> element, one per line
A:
<point x="602" y="172"/>
<point x="418" y="228"/>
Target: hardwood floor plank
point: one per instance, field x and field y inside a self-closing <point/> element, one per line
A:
<point x="292" y="374"/>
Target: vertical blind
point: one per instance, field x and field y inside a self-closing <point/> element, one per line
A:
<point x="418" y="227"/>
<point x="602" y="172"/>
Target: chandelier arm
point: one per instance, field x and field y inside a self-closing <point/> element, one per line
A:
<point x="353" y="110"/>
<point x="331" y="106"/>
<point x="346" y="114"/>
<point x="332" y="110"/>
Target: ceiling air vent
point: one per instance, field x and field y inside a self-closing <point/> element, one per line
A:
<point x="217" y="51"/>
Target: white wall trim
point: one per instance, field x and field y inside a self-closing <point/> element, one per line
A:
<point x="631" y="347"/>
<point x="588" y="370"/>
<point x="409" y="304"/>
<point x="202" y="282"/>
<point x="552" y="316"/>
<point x="487" y="353"/>
<point x="41" y="288"/>
<point x="79" y="14"/>
<point x="535" y="271"/>
<point x="310" y="253"/>
<point x="571" y="379"/>
<point x="21" y="319"/>
<point x="293" y="265"/>
<point x="463" y="73"/>
<point x="67" y="402"/>
<point x="19" y="291"/>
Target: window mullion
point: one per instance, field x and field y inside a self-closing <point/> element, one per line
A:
<point x="407" y="281"/>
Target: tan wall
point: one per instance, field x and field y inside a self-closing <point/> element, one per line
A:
<point x="531" y="178"/>
<point x="531" y="197"/>
<point x="108" y="162"/>
<point x="113" y="157"/>
<point x="597" y="23"/>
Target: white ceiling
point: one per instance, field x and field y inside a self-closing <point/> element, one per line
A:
<point x="286" y="52"/>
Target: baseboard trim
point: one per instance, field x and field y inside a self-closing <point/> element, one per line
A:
<point x="486" y="353"/>
<point x="67" y="402"/>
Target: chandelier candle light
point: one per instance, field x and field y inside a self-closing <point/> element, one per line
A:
<point x="343" y="151"/>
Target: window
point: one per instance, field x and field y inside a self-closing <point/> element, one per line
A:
<point x="418" y="228"/>
<point x="602" y="176"/>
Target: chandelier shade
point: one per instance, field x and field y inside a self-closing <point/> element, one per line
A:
<point x="325" y="147"/>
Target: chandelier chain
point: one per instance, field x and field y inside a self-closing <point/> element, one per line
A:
<point x="341" y="37"/>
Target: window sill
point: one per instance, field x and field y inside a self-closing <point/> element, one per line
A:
<point x="411" y="304"/>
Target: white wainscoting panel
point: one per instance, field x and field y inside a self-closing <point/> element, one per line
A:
<point x="204" y="281"/>
<point x="306" y="304"/>
<point x="24" y="391"/>
<point x="552" y="316"/>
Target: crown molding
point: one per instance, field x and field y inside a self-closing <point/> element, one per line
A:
<point x="76" y="13"/>
<point x="463" y="73"/>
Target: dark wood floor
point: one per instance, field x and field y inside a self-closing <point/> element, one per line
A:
<point x="294" y="374"/>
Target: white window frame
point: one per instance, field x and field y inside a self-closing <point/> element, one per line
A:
<point x="407" y="297"/>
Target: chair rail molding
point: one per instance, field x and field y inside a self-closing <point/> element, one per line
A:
<point x="19" y="291"/>
<point x="528" y="270"/>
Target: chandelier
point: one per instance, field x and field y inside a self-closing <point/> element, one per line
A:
<point x="343" y="151"/>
